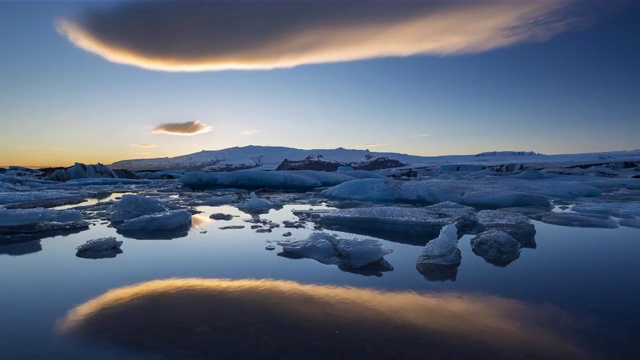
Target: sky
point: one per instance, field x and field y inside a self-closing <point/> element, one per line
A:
<point x="105" y="81"/>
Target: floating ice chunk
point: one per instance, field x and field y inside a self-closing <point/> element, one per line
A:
<point x="576" y="220"/>
<point x="323" y="177"/>
<point x="330" y="249"/>
<point x="382" y="190"/>
<point x="21" y="224"/>
<point x="31" y="199"/>
<point x="496" y="247"/>
<point x="410" y="225"/>
<point x="256" y="205"/>
<point x="107" y="247"/>
<point x="633" y="223"/>
<point x="318" y="246"/>
<point x="499" y="199"/>
<point x="38" y="217"/>
<point x="133" y="206"/>
<point x="221" y="216"/>
<point x="443" y="250"/>
<point x="356" y="253"/>
<point x="169" y="220"/>
<point x="517" y="225"/>
<point x="625" y="210"/>
<point x="249" y="179"/>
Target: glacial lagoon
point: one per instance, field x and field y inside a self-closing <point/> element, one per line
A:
<point x="224" y="289"/>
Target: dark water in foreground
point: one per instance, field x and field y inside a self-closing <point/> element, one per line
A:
<point x="576" y="295"/>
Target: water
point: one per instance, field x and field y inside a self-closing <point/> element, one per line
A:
<point x="589" y="277"/>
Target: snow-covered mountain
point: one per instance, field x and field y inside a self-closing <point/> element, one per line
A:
<point x="270" y="157"/>
<point x="263" y="157"/>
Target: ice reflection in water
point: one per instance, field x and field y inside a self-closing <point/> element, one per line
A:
<point x="212" y="318"/>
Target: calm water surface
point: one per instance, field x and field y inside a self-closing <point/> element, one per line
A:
<point x="584" y="283"/>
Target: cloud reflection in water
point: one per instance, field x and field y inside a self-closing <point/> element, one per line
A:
<point x="205" y="318"/>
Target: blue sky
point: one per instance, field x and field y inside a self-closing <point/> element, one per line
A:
<point x="578" y="91"/>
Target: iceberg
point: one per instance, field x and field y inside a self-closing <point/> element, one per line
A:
<point x="624" y="210"/>
<point x="443" y="250"/>
<point x="21" y="224"/>
<point x="174" y="220"/>
<point x="249" y="179"/>
<point x="256" y="205"/>
<point x="379" y="190"/>
<point x="221" y="216"/>
<point x="133" y="206"/>
<point x="515" y="224"/>
<point x="80" y="171"/>
<point x="332" y="250"/>
<point x="101" y="248"/>
<point x="496" y="247"/>
<point x="409" y="225"/>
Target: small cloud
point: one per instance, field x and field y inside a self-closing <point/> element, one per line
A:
<point x="420" y="135"/>
<point x="184" y="128"/>
<point x="248" y="132"/>
<point x="144" y="145"/>
<point x="143" y="153"/>
<point x="366" y="146"/>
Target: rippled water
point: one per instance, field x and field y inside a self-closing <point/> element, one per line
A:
<point x="575" y="295"/>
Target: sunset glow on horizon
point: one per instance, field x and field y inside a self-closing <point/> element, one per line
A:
<point x="102" y="81"/>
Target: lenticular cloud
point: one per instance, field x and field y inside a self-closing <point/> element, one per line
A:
<point x="206" y="36"/>
<point x="183" y="128"/>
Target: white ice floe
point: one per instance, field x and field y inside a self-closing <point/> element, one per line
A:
<point x="442" y="250"/>
<point x="496" y="247"/>
<point x="576" y="220"/>
<point x="625" y="210"/>
<point x="38" y="222"/>
<point x="44" y="197"/>
<point x="133" y="206"/>
<point x="255" y="205"/>
<point x="330" y="249"/>
<point x="33" y="217"/>
<point x="107" y="247"/>
<point x="381" y="190"/>
<point x="168" y="220"/>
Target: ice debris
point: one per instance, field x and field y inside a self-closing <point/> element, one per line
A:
<point x="133" y="206"/>
<point x="169" y="220"/>
<point x="516" y="225"/>
<point x="256" y="205"/>
<point x="329" y="249"/>
<point x="101" y="248"/>
<point x="442" y="250"/>
<point x="221" y="216"/>
<point x="496" y="247"/>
